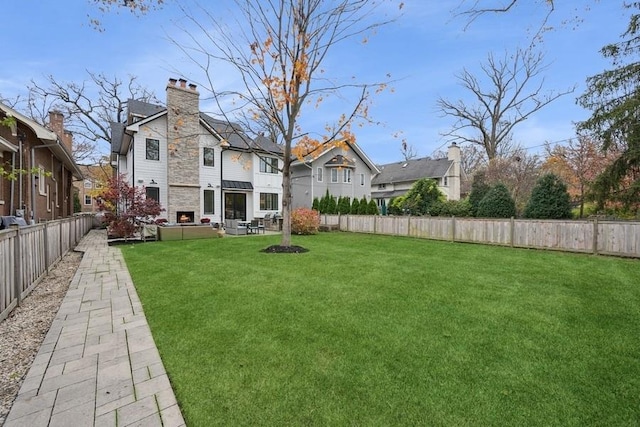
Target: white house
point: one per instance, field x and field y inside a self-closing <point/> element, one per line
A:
<point x="395" y="179"/>
<point x="195" y="165"/>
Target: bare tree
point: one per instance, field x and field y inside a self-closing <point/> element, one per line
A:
<point x="511" y="91"/>
<point x="518" y="171"/>
<point x="408" y="151"/>
<point x="89" y="108"/>
<point x="278" y="49"/>
<point x="473" y="9"/>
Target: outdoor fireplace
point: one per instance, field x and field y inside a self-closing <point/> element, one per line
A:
<point x="184" y="217"/>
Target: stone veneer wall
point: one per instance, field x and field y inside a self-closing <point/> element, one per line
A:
<point x="183" y="152"/>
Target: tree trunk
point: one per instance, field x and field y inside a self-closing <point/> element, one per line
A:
<point x="286" y="203"/>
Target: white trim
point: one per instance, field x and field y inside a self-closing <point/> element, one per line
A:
<point x="7" y="146"/>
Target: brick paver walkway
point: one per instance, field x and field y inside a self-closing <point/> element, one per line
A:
<point x="98" y="365"/>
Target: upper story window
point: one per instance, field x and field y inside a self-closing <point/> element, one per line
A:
<point x="88" y="183"/>
<point x="153" y="149"/>
<point x="361" y="179"/>
<point x="347" y="175"/>
<point x="334" y="175"/>
<point x="382" y="186"/>
<point x="208" y="155"/>
<point x="445" y="181"/>
<point x="319" y="174"/>
<point x="269" y="165"/>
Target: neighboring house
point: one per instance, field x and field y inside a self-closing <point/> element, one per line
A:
<point x="342" y="171"/>
<point x="395" y="179"/>
<point x="95" y="178"/>
<point x="196" y="166"/>
<point x="45" y="190"/>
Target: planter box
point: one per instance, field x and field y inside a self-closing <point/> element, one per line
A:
<point x="186" y="232"/>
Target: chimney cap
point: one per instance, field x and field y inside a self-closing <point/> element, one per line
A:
<point x="173" y="81"/>
<point x="192" y="86"/>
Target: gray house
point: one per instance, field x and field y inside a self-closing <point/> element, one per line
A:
<point x="395" y="179"/>
<point x="343" y="171"/>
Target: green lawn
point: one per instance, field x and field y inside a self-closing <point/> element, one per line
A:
<point x="378" y="331"/>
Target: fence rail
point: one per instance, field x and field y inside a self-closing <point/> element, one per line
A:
<point x="618" y="238"/>
<point x="27" y="253"/>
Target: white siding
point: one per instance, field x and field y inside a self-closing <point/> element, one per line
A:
<point x="210" y="176"/>
<point x="265" y="183"/>
<point x="147" y="170"/>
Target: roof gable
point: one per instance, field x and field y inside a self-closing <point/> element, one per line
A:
<point x="328" y="147"/>
<point x="49" y="137"/>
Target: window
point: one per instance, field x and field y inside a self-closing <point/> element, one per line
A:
<point x="209" y="202"/>
<point x="87" y="183"/>
<point x="87" y="199"/>
<point x="382" y="186"/>
<point x="48" y="199"/>
<point x="347" y="175"/>
<point x="334" y="175"/>
<point x="361" y="179"/>
<point x="319" y="174"/>
<point x="153" y="193"/>
<point x="207" y="153"/>
<point x="268" y="201"/>
<point x="153" y="149"/>
<point x="445" y="181"/>
<point x="41" y="181"/>
<point x="269" y="165"/>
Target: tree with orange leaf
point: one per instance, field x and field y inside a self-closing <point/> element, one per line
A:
<point x="578" y="164"/>
<point x="278" y="49"/>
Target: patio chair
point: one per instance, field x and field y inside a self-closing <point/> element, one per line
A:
<point x="256" y="226"/>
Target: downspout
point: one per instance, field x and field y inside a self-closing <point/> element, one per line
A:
<point x="221" y="188"/>
<point x="13" y="186"/>
<point x="21" y="137"/>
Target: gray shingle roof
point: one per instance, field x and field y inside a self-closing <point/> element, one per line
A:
<point x="117" y="132"/>
<point x="143" y="109"/>
<point x="412" y="170"/>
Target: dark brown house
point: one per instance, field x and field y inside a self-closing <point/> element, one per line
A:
<point x="43" y="169"/>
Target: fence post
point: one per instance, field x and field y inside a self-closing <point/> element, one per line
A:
<point x="595" y="236"/>
<point x="17" y="267"/>
<point x="409" y="225"/>
<point x="512" y="231"/>
<point x="453" y="228"/>
<point x="46" y="246"/>
<point x="60" y="228"/>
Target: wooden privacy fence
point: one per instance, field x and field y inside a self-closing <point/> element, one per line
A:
<point x="27" y="253"/>
<point x="619" y="238"/>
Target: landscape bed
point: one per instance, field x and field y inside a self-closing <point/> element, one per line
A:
<point x="378" y="330"/>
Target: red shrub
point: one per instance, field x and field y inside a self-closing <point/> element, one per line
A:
<point x="305" y="221"/>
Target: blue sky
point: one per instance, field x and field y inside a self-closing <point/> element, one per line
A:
<point x="424" y="50"/>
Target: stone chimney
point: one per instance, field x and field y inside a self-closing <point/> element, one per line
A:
<point x="56" y="124"/>
<point x="454" y="154"/>
<point x="183" y="149"/>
